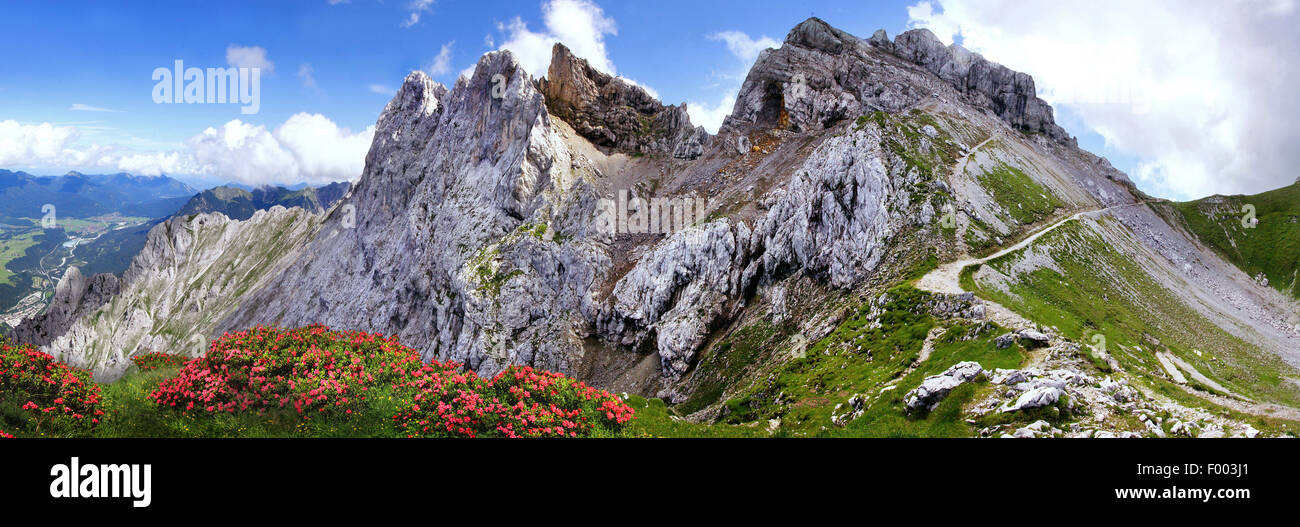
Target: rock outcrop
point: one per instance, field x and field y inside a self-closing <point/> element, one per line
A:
<point x="935" y="388"/>
<point x="822" y="75"/>
<point x="833" y="221"/>
<point x="474" y="237"/>
<point x="1010" y="94"/>
<point x="74" y="297"/>
<point x="612" y="112"/>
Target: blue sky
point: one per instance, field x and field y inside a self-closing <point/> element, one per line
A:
<point x="101" y="55"/>
<point x="329" y="68"/>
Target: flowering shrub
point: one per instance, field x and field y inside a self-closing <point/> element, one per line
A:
<point x="318" y="372"/>
<point x="311" y="370"/>
<point x="518" y="402"/>
<point x="158" y="360"/>
<point x="3" y="435"/>
<point x="53" y="396"/>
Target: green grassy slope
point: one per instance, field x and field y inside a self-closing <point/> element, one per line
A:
<point x="1091" y="288"/>
<point x="760" y="374"/>
<point x="1023" y="198"/>
<point x="1272" y="247"/>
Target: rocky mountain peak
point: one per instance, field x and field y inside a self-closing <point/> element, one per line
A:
<point x="816" y="34"/>
<point x="419" y="94"/>
<point x="440" y="252"/>
<point x="1010" y="94"/>
<point x="75" y="296"/>
<point x="614" y="113"/>
<point x="822" y="76"/>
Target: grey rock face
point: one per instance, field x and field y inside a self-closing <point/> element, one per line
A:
<point x="822" y="75"/>
<point x="190" y="273"/>
<point x="1010" y="94"/>
<point x="833" y="221"/>
<point x="676" y="291"/>
<point x="448" y="251"/>
<point x="880" y="39"/>
<point x="74" y="297"/>
<point x="614" y="113"/>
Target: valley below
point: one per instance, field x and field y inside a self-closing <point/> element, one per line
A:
<point x="34" y="258"/>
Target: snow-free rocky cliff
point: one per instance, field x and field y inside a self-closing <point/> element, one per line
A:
<point x="477" y="235"/>
<point x="477" y="231"/>
<point x="75" y="296"/>
<point x="191" y="272"/>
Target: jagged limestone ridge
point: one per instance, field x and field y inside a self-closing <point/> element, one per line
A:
<point x="191" y="272"/>
<point x="74" y="297"/>
<point x="440" y="253"/>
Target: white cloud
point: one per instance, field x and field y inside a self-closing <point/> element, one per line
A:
<point x="25" y="144"/>
<point x="743" y="46"/>
<point x="307" y="74"/>
<point x="579" y="24"/>
<point x="249" y="57"/>
<point x="242" y="152"/>
<point x="53" y="145"/>
<point x="746" y="49"/>
<point x="306" y="148"/>
<point x="532" y="50"/>
<point x="78" y="107"/>
<point x="154" y="163"/>
<point x="710" y="117"/>
<point x="383" y="90"/>
<point x="416" y="8"/>
<point x="324" y="151"/>
<point x="1200" y="90"/>
<point x="442" y="63"/>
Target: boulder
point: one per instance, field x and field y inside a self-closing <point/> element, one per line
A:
<point x="1038" y="397"/>
<point x="1008" y="377"/>
<point x="1035" y="337"/>
<point x="935" y="387"/>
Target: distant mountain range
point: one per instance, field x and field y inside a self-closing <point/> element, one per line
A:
<point x="103" y="222"/>
<point x="77" y="195"/>
<point x="239" y="203"/>
<point x="112" y="252"/>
